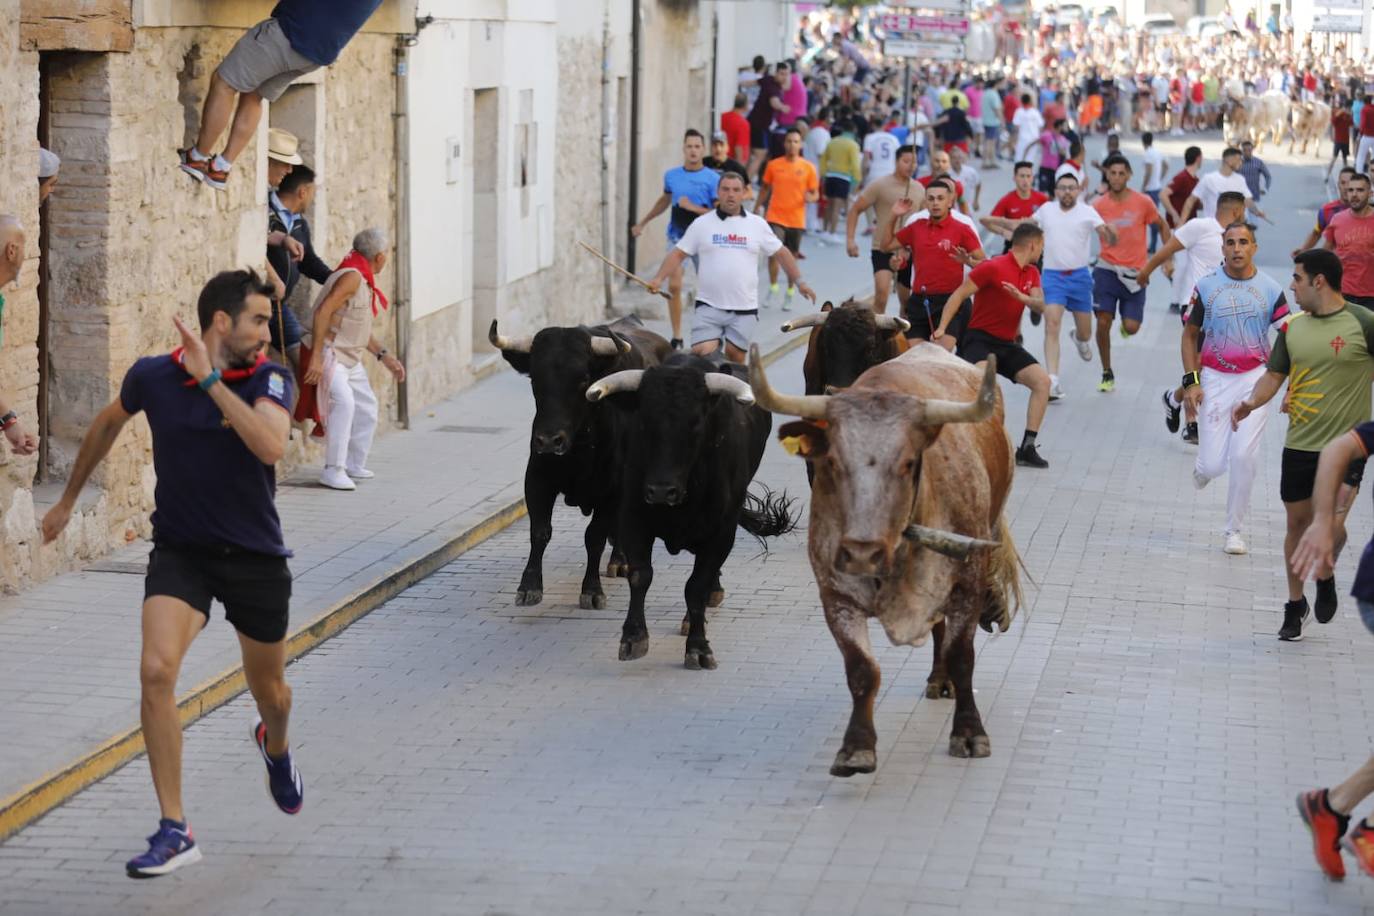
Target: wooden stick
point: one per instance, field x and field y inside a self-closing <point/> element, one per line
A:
<point x="620" y="270"/>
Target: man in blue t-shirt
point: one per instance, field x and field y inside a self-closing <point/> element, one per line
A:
<point x="300" y="36"/>
<point x="689" y="190"/>
<point x="220" y="415"/>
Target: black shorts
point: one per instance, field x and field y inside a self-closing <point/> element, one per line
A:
<point x="837" y="188"/>
<point x="976" y="346"/>
<point x="922" y="328"/>
<point x="1044" y="180"/>
<point x="882" y="260"/>
<point x="1340" y="149"/>
<point x="1366" y="301"/>
<point x="254" y="588"/>
<point x="791" y="238"/>
<point x="758" y="137"/>
<point x="1298" y="474"/>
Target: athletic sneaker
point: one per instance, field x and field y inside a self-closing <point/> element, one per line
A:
<point x="1125" y="334"/>
<point x="168" y="849"/>
<point x="283" y="779"/>
<point x="1171" y="413"/>
<point x="336" y="479"/>
<point x="1326" y="827"/>
<point x="787" y="299"/>
<point x="1360" y="844"/>
<point x="676" y="343"/>
<point x="204" y="170"/>
<point x="1235" y="544"/>
<point x="1190" y="433"/>
<point x="1035" y="316"/>
<point x="1108" y="383"/>
<point x="359" y="473"/>
<point x="1056" y="393"/>
<point x="1028" y="457"/>
<point x="773" y="295"/>
<point x="1324" y="608"/>
<point x="1085" y="352"/>
<point x="1294" y="616"/>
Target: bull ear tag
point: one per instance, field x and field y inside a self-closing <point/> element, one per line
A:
<point x="806" y="438"/>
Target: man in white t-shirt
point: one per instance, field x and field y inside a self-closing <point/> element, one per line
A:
<point x="728" y="241"/>
<point x="968" y="175"/>
<point x="1067" y="281"/>
<point x="1027" y="122"/>
<point x="1214" y="184"/>
<point x="1154" y="167"/>
<point x="816" y="140"/>
<point x="880" y="153"/>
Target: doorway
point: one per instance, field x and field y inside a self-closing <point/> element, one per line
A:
<point x="486" y="145"/>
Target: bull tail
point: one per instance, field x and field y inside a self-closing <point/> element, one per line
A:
<point x="768" y="516"/>
<point x="1004" y="596"/>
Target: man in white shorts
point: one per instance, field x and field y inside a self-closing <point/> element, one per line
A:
<point x="728" y="240"/>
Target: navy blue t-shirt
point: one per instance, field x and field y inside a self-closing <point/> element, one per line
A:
<point x="211" y="490"/>
<point x="319" y="29"/>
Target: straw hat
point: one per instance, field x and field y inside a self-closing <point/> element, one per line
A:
<point x="283" y="146"/>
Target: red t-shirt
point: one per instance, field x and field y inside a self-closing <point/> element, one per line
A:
<point x="1367" y="120"/>
<point x="1011" y="206"/>
<point x="996" y="311"/>
<point x="1010" y="102"/>
<point x="1180" y="189"/>
<point x="1341" y="122"/>
<point x="1199" y="93"/>
<point x="736" y="127"/>
<point x="1352" y="238"/>
<point x="932" y="247"/>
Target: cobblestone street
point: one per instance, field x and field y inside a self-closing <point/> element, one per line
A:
<point x="462" y="755"/>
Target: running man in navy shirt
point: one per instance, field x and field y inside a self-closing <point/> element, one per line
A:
<point x="220" y="415"/>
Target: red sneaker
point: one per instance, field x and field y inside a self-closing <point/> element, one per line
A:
<point x="1326" y="828"/>
<point x="1360" y="844"/>
<point x="203" y="170"/>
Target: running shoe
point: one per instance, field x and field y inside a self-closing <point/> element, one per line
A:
<point x="1324" y="608"/>
<point x="676" y="343"/>
<point x="1028" y="457"/>
<point x="168" y="849"/>
<point x="773" y="294"/>
<point x="1190" y="433"/>
<point x="1085" y="351"/>
<point x="1235" y="544"/>
<point x="1326" y="827"/>
<point x="1360" y="844"/>
<point x="1171" y="413"/>
<point x="1056" y="393"/>
<point x="1108" y="383"/>
<point x="1294" y="616"/>
<point x="283" y="779"/>
<point x="1035" y="316"/>
<point x="787" y="299"/>
<point x="203" y="170"/>
<point x="1125" y="334"/>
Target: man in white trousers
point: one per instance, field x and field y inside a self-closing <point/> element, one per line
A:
<point x="342" y="326"/>
<point x="1233" y="309"/>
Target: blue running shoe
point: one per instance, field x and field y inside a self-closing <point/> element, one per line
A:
<point x="283" y="779"/>
<point x="168" y="849"/>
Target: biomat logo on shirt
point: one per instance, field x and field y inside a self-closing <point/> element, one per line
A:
<point x="729" y="240"/>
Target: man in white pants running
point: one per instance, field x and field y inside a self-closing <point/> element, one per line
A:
<point x="341" y="331"/>
<point x="1233" y="308"/>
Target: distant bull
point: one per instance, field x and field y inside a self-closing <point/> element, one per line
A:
<point x="913" y="468"/>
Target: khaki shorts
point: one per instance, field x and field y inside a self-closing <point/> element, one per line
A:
<point x="264" y="62"/>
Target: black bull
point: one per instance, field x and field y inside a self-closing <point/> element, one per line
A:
<point x="575" y="445"/>
<point x="694" y="444"/>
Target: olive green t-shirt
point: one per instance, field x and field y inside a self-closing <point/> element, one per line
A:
<point x="1329" y="361"/>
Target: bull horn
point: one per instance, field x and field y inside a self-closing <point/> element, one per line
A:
<point x="891" y="323"/>
<point x="609" y="346"/>
<point x="958" y="546"/>
<point x="625" y="380"/>
<point x="980" y="408"/>
<point x="807" y="406"/>
<point x="513" y="344"/>
<point x="814" y="320"/>
<point x="737" y="388"/>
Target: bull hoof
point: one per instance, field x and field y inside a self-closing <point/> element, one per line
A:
<point x="589" y="600"/>
<point x="528" y="597"/>
<point x="631" y="649"/>
<point x="970" y="746"/>
<point x="617" y="569"/>
<point x="847" y="763"/>
<point x="940" y="690"/>
<point x="686" y="627"/>
<point x="699" y="660"/>
<point x="716" y="598"/>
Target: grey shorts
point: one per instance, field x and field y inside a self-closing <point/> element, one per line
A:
<point x="264" y="62"/>
<point x="710" y="323"/>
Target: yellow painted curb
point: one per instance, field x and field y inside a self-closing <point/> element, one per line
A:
<point x="39" y="797"/>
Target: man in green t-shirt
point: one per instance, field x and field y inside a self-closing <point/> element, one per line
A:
<point x="1327" y="356"/>
<point x="11" y="260"/>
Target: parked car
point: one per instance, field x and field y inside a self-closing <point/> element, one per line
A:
<point x="1159" y="24"/>
<point x="1204" y="27"/>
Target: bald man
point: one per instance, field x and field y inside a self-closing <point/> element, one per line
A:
<point x="11" y="260"/>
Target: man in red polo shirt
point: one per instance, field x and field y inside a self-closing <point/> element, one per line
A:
<point x="1020" y="203"/>
<point x="939" y="247"/>
<point x="1002" y="288"/>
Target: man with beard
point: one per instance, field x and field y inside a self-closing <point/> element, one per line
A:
<point x="1351" y="235"/>
<point x="220" y="415"/>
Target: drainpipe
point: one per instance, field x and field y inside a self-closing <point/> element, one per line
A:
<point x="606" y="143"/>
<point x="635" y="35"/>
<point x="715" y="72"/>
<point x="401" y="151"/>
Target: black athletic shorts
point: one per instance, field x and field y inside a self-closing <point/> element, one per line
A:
<point x="254" y="588"/>
<point x="791" y="238"/>
<point x="882" y="260"/>
<point x="837" y="188"/>
<point x="1340" y="149"/>
<point x="758" y="137"/>
<point x="1298" y="474"/>
<point x="1366" y="301"/>
<point x="976" y="346"/>
<point x="922" y="328"/>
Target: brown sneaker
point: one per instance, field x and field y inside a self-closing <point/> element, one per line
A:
<point x="203" y="170"/>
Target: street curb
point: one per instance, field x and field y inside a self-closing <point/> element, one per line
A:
<point x="41" y="796"/>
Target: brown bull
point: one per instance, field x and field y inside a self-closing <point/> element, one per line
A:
<point x="912" y="471"/>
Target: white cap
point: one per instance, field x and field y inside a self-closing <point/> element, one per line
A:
<point x="48" y="163"/>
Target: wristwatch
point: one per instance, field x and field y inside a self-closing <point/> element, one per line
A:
<point x="8" y="420"/>
<point x="381" y="354"/>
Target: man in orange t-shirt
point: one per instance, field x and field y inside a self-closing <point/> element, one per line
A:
<point x="789" y="184"/>
<point x="1131" y="214"/>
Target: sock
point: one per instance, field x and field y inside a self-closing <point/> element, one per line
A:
<point x="1107" y="374"/>
<point x="179" y="825"/>
<point x="773" y="287"/>
<point x="1326" y="803"/>
<point x="222" y="164"/>
<point x="1028" y="440"/>
<point x="196" y="154"/>
<point x="1173" y="401"/>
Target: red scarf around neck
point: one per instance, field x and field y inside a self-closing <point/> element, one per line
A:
<point x="361" y="265"/>
<point x="228" y="375"/>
